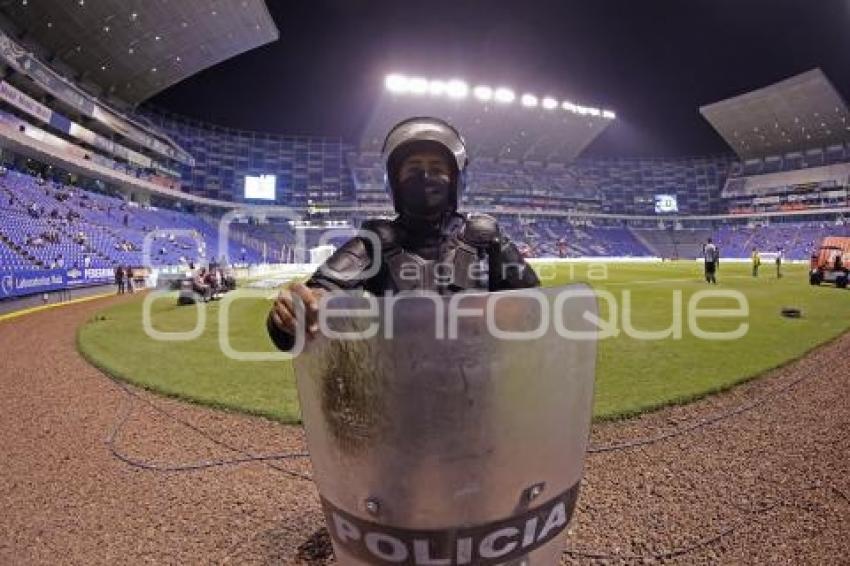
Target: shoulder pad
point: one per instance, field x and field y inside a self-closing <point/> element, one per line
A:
<point x="480" y="230"/>
<point x="343" y="267"/>
<point x="387" y="232"/>
<point x="384" y="229"/>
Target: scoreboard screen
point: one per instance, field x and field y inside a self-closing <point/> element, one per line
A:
<point x="260" y="187"/>
<point x="665" y="204"/>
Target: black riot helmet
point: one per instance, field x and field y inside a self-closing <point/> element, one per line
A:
<point x="418" y="196"/>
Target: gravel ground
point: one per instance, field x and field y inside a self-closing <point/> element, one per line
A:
<point x="769" y="483"/>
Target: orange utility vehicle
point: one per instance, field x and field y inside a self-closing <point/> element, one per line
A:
<point x="831" y="262"/>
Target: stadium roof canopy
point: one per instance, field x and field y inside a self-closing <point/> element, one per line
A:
<point x="496" y="123"/>
<point x="799" y="113"/>
<point x="132" y="49"/>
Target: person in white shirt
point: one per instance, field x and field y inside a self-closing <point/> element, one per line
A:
<point x="712" y="258"/>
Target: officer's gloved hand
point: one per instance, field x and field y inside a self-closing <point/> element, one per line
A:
<point x="284" y="314"/>
<point x="481" y="231"/>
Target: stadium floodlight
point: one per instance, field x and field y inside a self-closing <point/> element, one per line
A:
<point x="437" y="88"/>
<point x="529" y="100"/>
<point x="396" y="83"/>
<point x="504" y="95"/>
<point x="456" y="88"/>
<point x="483" y="92"/>
<point x="417" y="85"/>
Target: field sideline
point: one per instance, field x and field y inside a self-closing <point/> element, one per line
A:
<point x="632" y="376"/>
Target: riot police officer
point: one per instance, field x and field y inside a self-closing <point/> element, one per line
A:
<point x="429" y="246"/>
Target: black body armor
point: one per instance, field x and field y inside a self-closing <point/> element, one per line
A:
<point x="457" y="253"/>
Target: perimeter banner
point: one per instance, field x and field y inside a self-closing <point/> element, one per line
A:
<point x="31" y="282"/>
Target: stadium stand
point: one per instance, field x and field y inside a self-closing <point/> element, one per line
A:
<point x="309" y="170"/>
<point x="561" y="238"/>
<point x="670" y="243"/>
<point x="617" y="186"/>
<point x="46" y="224"/>
<point x="134" y="175"/>
<point x="797" y="240"/>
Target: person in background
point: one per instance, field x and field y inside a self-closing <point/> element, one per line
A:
<point x="199" y="284"/>
<point x="119" y="279"/>
<point x="779" y="263"/>
<point x="128" y="275"/>
<point x="218" y="279"/>
<point x="211" y="280"/>
<point x="756" y="262"/>
<point x="712" y="258"/>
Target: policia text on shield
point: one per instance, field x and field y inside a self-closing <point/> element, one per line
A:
<point x="429" y="451"/>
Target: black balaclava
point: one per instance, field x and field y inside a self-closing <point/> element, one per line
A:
<point x="423" y="196"/>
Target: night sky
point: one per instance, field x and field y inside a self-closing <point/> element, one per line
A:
<point x="653" y="62"/>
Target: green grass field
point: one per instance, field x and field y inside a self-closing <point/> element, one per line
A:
<point x="632" y="376"/>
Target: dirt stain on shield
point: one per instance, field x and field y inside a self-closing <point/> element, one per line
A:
<point x="353" y="394"/>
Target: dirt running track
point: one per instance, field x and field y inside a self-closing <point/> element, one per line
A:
<point x="766" y="485"/>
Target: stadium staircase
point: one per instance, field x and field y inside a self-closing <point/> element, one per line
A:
<point x="638" y="235"/>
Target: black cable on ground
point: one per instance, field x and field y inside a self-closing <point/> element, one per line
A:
<point x="699" y="423"/>
<point x="244" y="458"/>
<point x="840" y="493"/>
<point x="593" y="555"/>
<point x="247" y="458"/>
<point x="702" y="543"/>
<point x="699" y="545"/>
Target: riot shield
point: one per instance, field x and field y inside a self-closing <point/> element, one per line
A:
<point x="454" y="430"/>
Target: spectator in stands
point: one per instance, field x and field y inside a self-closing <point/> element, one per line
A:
<point x="756" y="262"/>
<point x="779" y="263"/>
<point x="712" y="259"/>
<point x="119" y="279"/>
